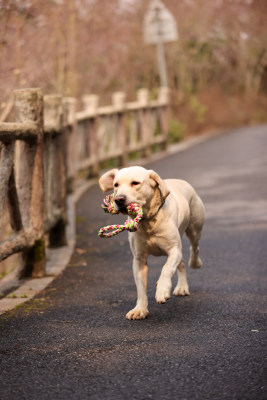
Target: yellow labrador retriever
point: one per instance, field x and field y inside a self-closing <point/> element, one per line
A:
<point x="171" y="207"/>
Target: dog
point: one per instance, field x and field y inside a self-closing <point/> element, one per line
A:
<point x="170" y="208"/>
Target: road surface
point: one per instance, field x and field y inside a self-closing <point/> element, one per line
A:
<point x="73" y="341"/>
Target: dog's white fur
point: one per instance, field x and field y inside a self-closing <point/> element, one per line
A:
<point x="161" y="230"/>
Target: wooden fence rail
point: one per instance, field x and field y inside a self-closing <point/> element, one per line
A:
<point x="49" y="145"/>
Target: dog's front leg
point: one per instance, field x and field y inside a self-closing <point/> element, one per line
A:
<point x="164" y="283"/>
<point x="140" y="271"/>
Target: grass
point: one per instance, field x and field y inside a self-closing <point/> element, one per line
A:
<point x="12" y="296"/>
<point x="15" y="296"/>
<point x="33" y="305"/>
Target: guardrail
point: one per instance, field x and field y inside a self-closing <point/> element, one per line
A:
<point x="49" y="145"/>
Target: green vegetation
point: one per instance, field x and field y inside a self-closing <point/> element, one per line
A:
<point x="198" y="108"/>
<point x="12" y="296"/>
<point x="177" y="131"/>
<point x="39" y="250"/>
<point x="79" y="219"/>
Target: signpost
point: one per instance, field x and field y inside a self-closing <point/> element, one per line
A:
<point x="160" y="26"/>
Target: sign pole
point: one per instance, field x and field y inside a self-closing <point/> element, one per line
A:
<point x="160" y="27"/>
<point x="161" y="53"/>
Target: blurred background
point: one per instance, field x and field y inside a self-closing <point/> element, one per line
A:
<point x="217" y="69"/>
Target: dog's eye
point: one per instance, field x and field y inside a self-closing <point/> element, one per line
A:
<point x="135" y="183"/>
<point x="116" y="184"/>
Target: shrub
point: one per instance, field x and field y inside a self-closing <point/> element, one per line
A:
<point x="176" y="131"/>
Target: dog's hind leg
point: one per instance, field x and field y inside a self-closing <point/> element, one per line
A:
<point x="194" y="230"/>
<point x="181" y="288"/>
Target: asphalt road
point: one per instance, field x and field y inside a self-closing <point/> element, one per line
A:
<point x="73" y="341"/>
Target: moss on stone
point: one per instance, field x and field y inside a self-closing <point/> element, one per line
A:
<point x="39" y="250"/>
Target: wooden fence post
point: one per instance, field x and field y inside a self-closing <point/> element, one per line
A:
<point x="90" y="104"/>
<point x="119" y="104"/>
<point x="6" y="166"/>
<point x="55" y="177"/>
<point x="70" y="135"/>
<point x="143" y="100"/>
<point x="29" y="107"/>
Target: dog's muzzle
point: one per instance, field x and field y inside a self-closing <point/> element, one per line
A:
<point x="120" y="200"/>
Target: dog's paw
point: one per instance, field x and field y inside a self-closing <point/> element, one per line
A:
<point x="195" y="262"/>
<point x="137" y="313"/>
<point x="162" y="294"/>
<point x="181" y="290"/>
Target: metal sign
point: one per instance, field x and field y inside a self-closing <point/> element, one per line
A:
<point x="159" y="24"/>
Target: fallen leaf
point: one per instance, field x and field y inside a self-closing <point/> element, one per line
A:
<point x="80" y="251"/>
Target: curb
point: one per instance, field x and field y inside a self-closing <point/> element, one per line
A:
<point x="58" y="259"/>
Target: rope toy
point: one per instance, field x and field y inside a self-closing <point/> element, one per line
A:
<point x="134" y="210"/>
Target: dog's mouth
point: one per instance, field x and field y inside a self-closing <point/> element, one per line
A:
<point x="123" y="210"/>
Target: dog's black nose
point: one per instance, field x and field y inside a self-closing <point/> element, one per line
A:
<point x="120" y="200"/>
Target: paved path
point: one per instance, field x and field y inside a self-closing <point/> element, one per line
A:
<point x="73" y="341"/>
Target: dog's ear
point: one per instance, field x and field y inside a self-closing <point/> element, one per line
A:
<point x="106" y="180"/>
<point x="155" y="179"/>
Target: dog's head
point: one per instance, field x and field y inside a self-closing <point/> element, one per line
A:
<point x="133" y="184"/>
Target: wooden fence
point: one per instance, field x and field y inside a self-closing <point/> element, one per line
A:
<point x="49" y="145"/>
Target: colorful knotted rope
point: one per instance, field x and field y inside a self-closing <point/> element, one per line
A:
<point x="134" y="210"/>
